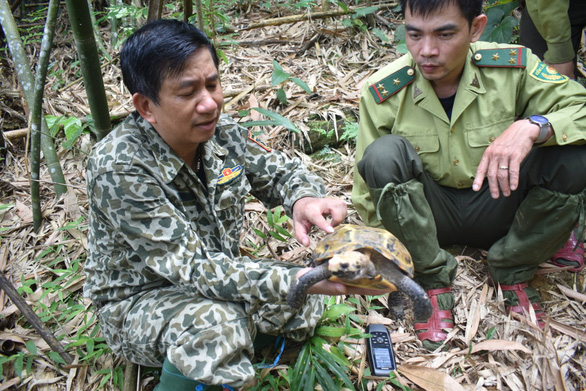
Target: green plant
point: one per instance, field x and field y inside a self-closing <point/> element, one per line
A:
<point x="279" y="77"/>
<point x="275" y="119"/>
<point x="73" y="127"/>
<point x="127" y="14"/>
<point x="501" y="23"/>
<point x="322" y="360"/>
<point x="275" y="220"/>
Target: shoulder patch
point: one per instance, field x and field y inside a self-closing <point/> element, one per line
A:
<point x="229" y="174"/>
<point x="513" y="57"/>
<point x="547" y="74"/>
<point x="392" y="84"/>
<point x="253" y="138"/>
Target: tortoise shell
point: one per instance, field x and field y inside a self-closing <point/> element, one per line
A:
<point x="386" y="252"/>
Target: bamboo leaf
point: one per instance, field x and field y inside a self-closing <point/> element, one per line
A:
<point x="360" y="12"/>
<point x="279" y="119"/>
<point x="323" y="377"/>
<point x="336" y="311"/>
<point x="330" y="331"/>
<point x="301" y="84"/>
<point x="333" y="366"/>
<point x="279" y="75"/>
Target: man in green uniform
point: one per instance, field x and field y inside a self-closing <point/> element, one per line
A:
<point x="166" y="196"/>
<point x="465" y="142"/>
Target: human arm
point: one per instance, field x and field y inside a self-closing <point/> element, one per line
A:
<point x="552" y="21"/>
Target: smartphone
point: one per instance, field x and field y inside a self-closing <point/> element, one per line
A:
<point x="381" y="357"/>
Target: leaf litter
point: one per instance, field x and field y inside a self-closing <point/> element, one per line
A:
<point x="487" y="350"/>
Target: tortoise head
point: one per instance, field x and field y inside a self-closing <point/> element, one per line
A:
<point x="351" y="265"/>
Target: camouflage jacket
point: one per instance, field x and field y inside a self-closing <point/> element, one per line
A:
<point x="153" y="223"/>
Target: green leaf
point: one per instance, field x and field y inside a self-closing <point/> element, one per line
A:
<point x="360" y="12"/>
<point x="56" y="357"/>
<point x="333" y="366"/>
<point x="282" y="231"/>
<point x="31" y="347"/>
<point x="279" y="75"/>
<point x="323" y="377"/>
<point x="380" y="34"/>
<point x="330" y="331"/>
<point x="277" y="236"/>
<point x="279" y="119"/>
<point x="334" y="312"/>
<point x="18" y="365"/>
<point x="301" y="84"/>
<point x="282" y="96"/>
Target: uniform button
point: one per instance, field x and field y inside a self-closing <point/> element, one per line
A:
<point x="478" y="56"/>
<point x="491" y="139"/>
<point x="417" y="148"/>
<point x="565" y="137"/>
<point x="452" y="130"/>
<point x="460" y="184"/>
<point x="456" y="162"/>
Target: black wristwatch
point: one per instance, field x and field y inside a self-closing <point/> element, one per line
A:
<point x="543" y="124"/>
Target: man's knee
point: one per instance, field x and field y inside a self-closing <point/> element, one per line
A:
<point x="389" y="159"/>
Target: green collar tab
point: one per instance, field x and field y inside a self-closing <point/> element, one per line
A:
<point x="513" y="57"/>
<point x="392" y="84"/>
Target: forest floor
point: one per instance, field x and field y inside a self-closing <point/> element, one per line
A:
<point x="488" y="350"/>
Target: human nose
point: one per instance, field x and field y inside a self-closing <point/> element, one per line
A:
<point x="207" y="103"/>
<point x="428" y="47"/>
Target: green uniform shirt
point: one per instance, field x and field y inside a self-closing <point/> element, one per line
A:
<point x="551" y="19"/>
<point x="509" y="84"/>
<point x="152" y="223"/>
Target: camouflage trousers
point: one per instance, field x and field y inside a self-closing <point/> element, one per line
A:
<point x="210" y="341"/>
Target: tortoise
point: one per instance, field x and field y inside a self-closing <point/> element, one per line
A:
<point x="365" y="257"/>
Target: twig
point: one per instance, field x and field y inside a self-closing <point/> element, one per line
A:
<point x="308" y="16"/>
<point x="33" y="318"/>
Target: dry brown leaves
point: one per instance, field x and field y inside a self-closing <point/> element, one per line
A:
<point x="488" y="350"/>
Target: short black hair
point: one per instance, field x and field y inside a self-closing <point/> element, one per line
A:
<point x="157" y="50"/>
<point x="469" y="8"/>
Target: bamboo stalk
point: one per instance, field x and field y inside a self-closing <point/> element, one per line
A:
<point x="33" y="318"/>
<point x="37" y="112"/>
<point x="81" y="24"/>
<point x="25" y="76"/>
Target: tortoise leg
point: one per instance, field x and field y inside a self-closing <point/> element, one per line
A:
<point x="396" y="304"/>
<point x="421" y="303"/>
<point x="297" y="292"/>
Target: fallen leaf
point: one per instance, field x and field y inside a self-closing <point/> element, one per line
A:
<point x="498" y="344"/>
<point x="430" y="379"/>
<point x="572" y="294"/>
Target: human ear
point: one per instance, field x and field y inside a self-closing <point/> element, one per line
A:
<point x="478" y="25"/>
<point x="143" y="105"/>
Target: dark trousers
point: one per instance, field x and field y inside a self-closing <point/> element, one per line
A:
<point x="514" y="228"/>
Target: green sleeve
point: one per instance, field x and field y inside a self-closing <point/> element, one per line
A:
<point x="553" y="23"/>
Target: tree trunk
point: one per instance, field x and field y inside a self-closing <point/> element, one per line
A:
<point x="27" y="81"/>
<point x="83" y="32"/>
<point x="155" y="10"/>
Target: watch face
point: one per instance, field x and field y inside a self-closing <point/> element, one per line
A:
<point x="539" y="119"/>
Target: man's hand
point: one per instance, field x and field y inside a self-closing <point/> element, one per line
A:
<point x="501" y="162"/>
<point x="310" y="211"/>
<point x="335" y="289"/>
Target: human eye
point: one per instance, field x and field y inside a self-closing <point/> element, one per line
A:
<point x="413" y="35"/>
<point x="446" y="35"/>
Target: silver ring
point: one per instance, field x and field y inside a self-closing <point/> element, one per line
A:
<point x="503" y="168"/>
